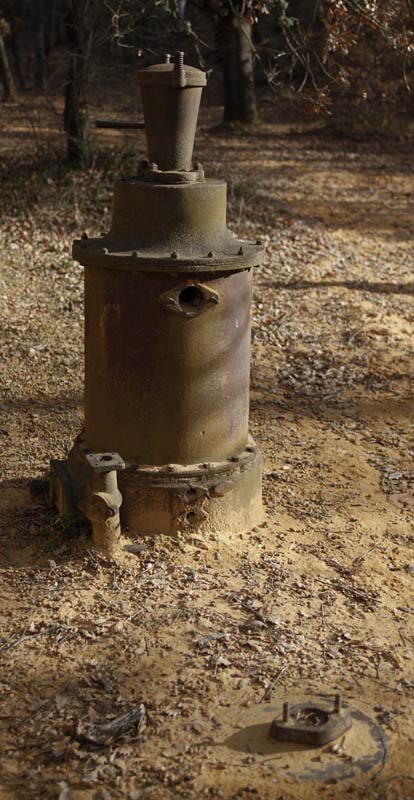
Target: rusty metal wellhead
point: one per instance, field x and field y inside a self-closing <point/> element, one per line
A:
<point x="167" y="344"/>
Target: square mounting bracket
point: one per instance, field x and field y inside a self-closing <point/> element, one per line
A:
<point x="105" y="462"/>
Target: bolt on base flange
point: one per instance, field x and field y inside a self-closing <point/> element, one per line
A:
<point x="308" y="723"/>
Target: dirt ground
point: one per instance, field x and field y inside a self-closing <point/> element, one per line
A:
<point x="213" y="635"/>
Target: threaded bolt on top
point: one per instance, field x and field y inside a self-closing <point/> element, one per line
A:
<point x="179" y="60"/>
<point x="179" y="70"/>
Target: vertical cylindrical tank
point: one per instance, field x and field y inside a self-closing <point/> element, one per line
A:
<point x="167" y="337"/>
<point x="167" y="385"/>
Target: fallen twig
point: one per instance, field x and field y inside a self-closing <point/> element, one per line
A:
<point x="32" y="635"/>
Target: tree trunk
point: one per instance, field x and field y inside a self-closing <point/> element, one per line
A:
<point x="6" y="75"/>
<point x="15" y="50"/>
<point x="235" y="42"/>
<point x="41" y="13"/>
<point x="41" y="56"/>
<point x="74" y="114"/>
<point x="79" y="29"/>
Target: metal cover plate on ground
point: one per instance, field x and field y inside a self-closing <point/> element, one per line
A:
<point x="363" y="751"/>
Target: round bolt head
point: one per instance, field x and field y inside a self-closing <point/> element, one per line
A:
<point x="210" y="254"/>
<point x="240" y="251"/>
<point x="84" y="235"/>
<point x="174" y="254"/>
<point x="105" y="251"/>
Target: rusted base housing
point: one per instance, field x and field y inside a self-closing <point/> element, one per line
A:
<point x="220" y="497"/>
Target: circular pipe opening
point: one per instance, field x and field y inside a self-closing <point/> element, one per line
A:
<point x="312" y="716"/>
<point x="191" y="297"/>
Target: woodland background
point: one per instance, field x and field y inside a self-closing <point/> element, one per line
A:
<point x="307" y="115"/>
<point x="344" y="60"/>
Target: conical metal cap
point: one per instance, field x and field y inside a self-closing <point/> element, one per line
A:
<point x="171" y="95"/>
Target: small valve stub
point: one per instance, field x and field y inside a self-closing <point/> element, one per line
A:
<point x="310" y="724"/>
<point x="102" y="499"/>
